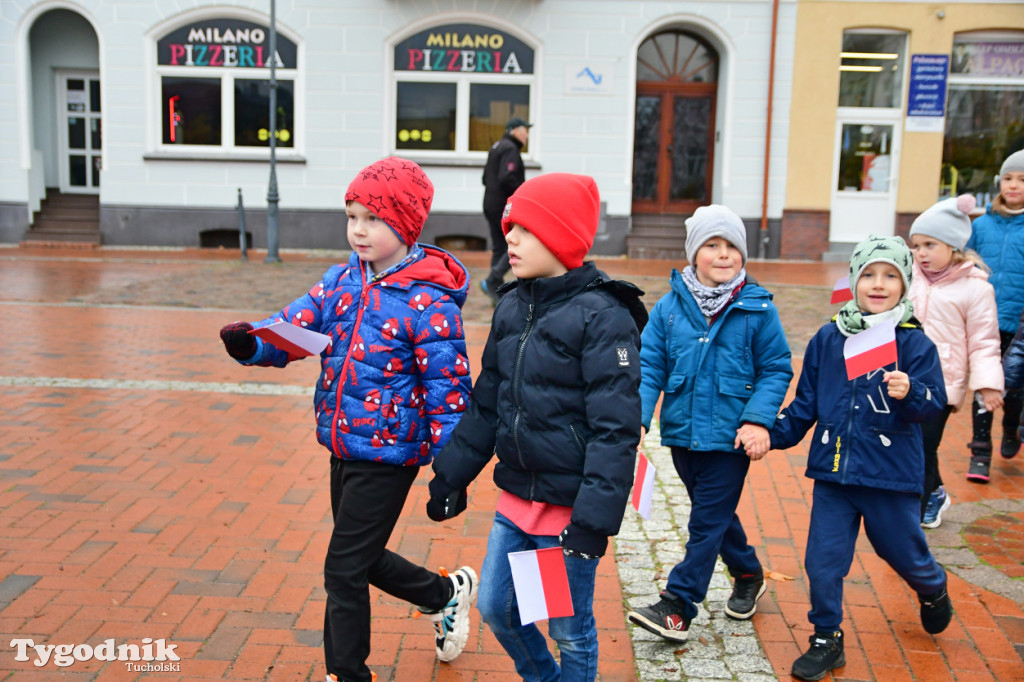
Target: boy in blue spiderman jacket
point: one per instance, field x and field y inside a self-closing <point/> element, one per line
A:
<point x="867" y="453"/>
<point x="394" y="381"/>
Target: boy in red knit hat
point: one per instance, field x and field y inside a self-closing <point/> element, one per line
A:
<point x="393" y="383"/>
<point x="557" y="400"/>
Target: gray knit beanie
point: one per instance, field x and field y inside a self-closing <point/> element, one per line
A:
<point x="878" y="249"/>
<point x="1014" y="163"/>
<point x="714" y="221"/>
<point x="948" y="221"/>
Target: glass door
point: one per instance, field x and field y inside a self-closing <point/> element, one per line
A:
<point x="79" y="127"/>
<point x="864" y="191"/>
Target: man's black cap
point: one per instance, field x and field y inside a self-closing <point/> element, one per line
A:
<point x="515" y="122"/>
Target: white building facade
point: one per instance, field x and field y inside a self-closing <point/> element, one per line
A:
<point x="160" y="109"/>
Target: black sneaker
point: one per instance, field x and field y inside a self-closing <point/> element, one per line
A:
<point x="936" y="611"/>
<point x="664" y="618"/>
<point x="746" y="590"/>
<point x="825" y="654"/>
<point x="451" y="624"/>
<point x="1010" y="445"/>
<point x="978" y="471"/>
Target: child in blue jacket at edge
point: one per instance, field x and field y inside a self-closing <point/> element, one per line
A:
<point x="393" y="383"/>
<point x="557" y="401"/>
<point x="867" y="455"/>
<point x="716" y="348"/>
<point x="1013" y="363"/>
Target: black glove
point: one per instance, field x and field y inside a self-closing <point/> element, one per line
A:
<point x="240" y="344"/>
<point x="441" y="508"/>
<point x="582" y="543"/>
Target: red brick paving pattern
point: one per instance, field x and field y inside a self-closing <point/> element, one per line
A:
<point x="190" y="515"/>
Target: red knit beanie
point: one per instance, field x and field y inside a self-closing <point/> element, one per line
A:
<point x="561" y="210"/>
<point x="398" y="191"/>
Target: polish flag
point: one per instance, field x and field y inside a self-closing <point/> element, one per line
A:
<point x="292" y="338"/>
<point x="643" y="486"/>
<point x="841" y="292"/>
<point x="542" y="585"/>
<point x="870" y="349"/>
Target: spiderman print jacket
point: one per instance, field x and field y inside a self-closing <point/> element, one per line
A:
<point x="394" y="378"/>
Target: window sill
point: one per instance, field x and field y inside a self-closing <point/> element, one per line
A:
<point x="448" y="162"/>
<point x="221" y="157"/>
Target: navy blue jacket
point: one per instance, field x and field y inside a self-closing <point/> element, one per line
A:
<point x="557" y="400"/>
<point x="864" y="437"/>
<point x="714" y="378"/>
<point x="1013" y="361"/>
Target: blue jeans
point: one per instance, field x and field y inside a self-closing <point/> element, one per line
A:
<point x="576" y="635"/>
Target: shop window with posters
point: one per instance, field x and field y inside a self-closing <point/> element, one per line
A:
<point x="984" y="112"/>
<point x="214" y="88"/>
<point x="456" y="86"/>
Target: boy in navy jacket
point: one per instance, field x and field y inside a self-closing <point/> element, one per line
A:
<point x="557" y="401"/>
<point x="866" y="456"/>
<point x="716" y="349"/>
<point x="393" y="383"/>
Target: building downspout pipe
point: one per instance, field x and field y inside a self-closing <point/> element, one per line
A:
<point x="763" y="234"/>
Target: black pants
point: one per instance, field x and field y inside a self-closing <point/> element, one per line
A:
<point x="367" y="499"/>
<point x="931" y="433"/>
<point x="1013" y="404"/>
<point x="499" y="249"/>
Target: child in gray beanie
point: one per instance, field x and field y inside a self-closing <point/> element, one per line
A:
<point x="957" y="306"/>
<point x="715" y="349"/>
<point x="998" y="237"/>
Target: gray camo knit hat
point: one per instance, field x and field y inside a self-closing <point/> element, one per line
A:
<point x="878" y="249"/>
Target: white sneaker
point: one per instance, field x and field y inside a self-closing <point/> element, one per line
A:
<point x="451" y="624"/>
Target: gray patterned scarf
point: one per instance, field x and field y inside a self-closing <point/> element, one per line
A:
<point x="711" y="300"/>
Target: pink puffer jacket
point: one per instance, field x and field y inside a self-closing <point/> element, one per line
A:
<point x="959" y="316"/>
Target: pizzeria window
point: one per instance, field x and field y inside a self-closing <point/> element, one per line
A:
<point x="214" y="89"/>
<point x="984" y="123"/>
<point x="456" y="86"/>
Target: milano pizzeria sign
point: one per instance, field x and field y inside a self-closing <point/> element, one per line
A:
<point x="224" y="43"/>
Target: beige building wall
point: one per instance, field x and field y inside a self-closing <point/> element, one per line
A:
<point x="819" y="38"/>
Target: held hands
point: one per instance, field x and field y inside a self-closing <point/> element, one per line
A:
<point x="443" y="508"/>
<point x="898" y="384"/>
<point x="991" y="398"/>
<point x="238" y="342"/>
<point x="755" y="440"/>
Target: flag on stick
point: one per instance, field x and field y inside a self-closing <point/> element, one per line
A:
<point x="643" y="486"/>
<point x="841" y="292"/>
<point x="870" y="349"/>
<point x="292" y="338"/>
<point x="541" y="583"/>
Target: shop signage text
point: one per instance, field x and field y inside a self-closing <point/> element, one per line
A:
<point x="988" y="58"/>
<point x="464" y="48"/>
<point x="224" y="43"/>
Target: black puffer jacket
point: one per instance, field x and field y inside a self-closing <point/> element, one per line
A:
<point x="503" y="172"/>
<point x="558" y="400"/>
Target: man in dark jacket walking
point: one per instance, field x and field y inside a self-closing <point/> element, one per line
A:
<point x="503" y="174"/>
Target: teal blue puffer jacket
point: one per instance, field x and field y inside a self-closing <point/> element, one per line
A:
<point x="714" y="378"/>
<point x="999" y="240"/>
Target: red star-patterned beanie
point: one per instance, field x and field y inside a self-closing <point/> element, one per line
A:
<point x="561" y="210"/>
<point x="398" y="191"/>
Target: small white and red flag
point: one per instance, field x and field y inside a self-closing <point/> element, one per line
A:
<point x="643" y="486"/>
<point x="841" y="292"/>
<point x="870" y="349"/>
<point x="293" y="339"/>
<point x="542" y="585"/>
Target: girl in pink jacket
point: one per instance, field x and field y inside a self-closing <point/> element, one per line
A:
<point x="956" y="304"/>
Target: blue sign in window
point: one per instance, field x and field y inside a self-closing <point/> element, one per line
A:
<point x="927" y="93"/>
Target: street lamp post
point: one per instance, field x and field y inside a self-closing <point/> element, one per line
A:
<point x="272" y="197"/>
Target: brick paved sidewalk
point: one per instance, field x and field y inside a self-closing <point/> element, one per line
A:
<point x="147" y="493"/>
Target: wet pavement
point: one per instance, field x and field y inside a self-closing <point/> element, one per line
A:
<point x="152" y="488"/>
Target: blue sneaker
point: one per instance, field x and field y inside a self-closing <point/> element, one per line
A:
<point x="938" y="502"/>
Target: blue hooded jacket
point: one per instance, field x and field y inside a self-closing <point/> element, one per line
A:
<point x="999" y="240"/>
<point x="394" y="378"/>
<point x="714" y="378"/>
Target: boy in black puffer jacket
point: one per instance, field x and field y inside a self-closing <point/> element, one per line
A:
<point x="558" y="400"/>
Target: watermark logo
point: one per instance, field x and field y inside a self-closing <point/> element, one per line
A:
<point x="149" y="656"/>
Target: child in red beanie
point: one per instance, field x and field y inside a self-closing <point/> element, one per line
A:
<point x="393" y="383"/>
<point x="557" y="400"/>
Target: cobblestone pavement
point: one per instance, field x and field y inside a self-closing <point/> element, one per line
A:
<point x="146" y="492"/>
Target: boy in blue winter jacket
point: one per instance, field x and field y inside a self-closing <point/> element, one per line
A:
<point x="867" y="455"/>
<point x="716" y="348"/>
<point x="393" y="383"/>
<point x="557" y="401"/>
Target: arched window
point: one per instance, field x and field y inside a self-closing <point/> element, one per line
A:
<point x="678" y="57"/>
